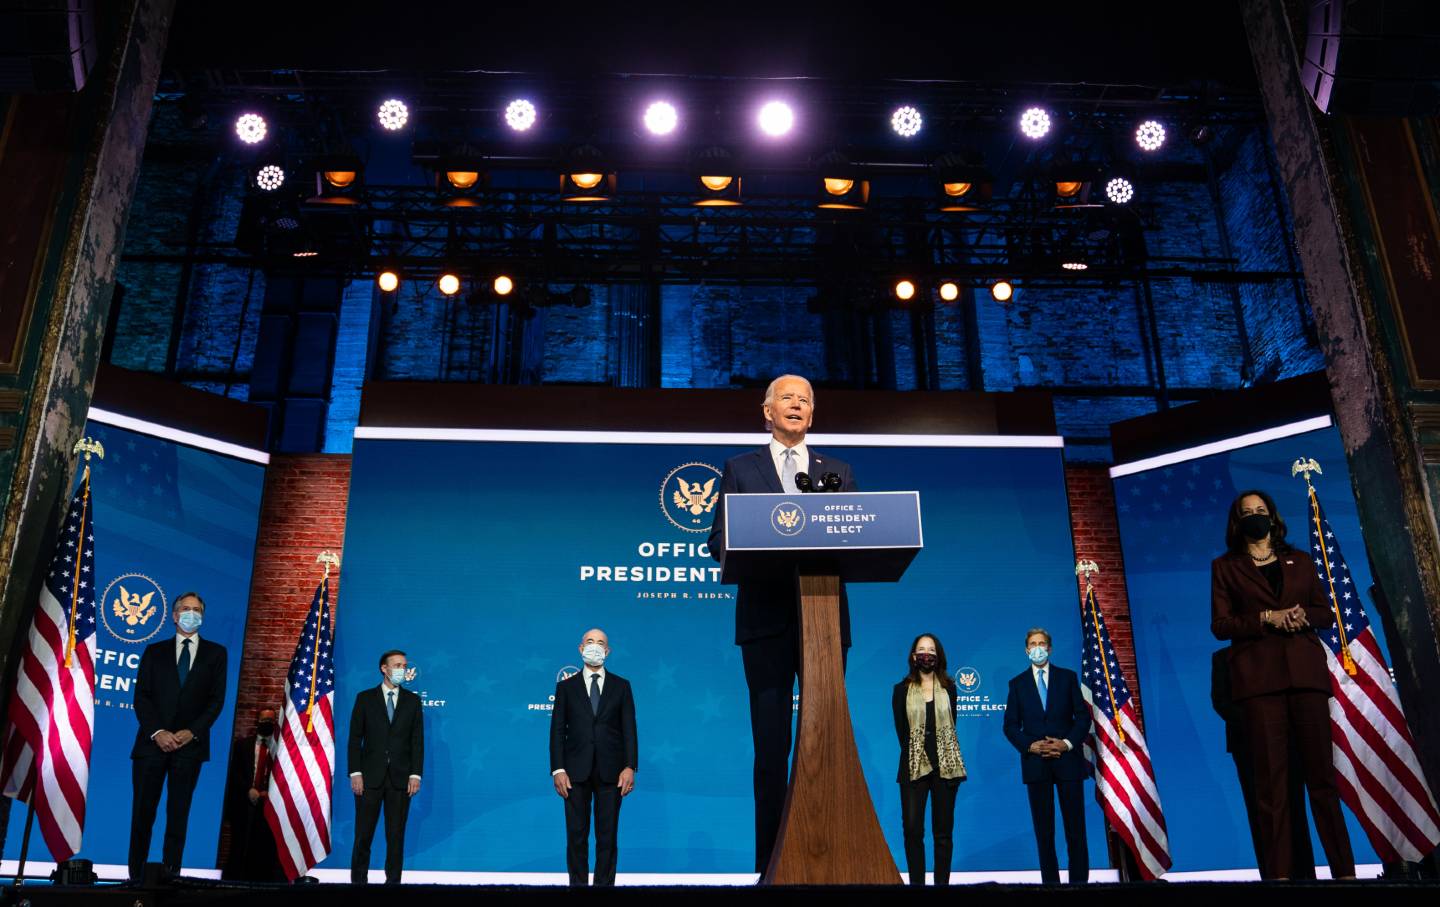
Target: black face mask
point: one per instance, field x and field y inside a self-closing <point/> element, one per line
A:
<point x="925" y="661"/>
<point x="265" y="728"/>
<point x="1255" y="526"/>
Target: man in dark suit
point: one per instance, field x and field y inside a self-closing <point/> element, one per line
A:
<point x="766" y="619"/>
<point x="593" y="757"/>
<point x="385" y="753"/>
<point x="1047" y="720"/>
<point x="179" y="692"/>
<point x="252" y="856"/>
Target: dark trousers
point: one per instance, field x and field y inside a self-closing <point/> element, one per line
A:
<point x="606" y="798"/>
<point x="252" y="855"/>
<point x="367" y="813"/>
<point x="1272" y="722"/>
<point x="1072" y="813"/>
<point x="941" y="793"/>
<point x="1302" y="855"/>
<point x="176" y="775"/>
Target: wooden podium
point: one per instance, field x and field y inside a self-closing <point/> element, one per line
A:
<point x="829" y="834"/>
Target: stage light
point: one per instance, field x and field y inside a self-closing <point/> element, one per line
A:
<point x="586" y="177"/>
<point x="1074" y="265"/>
<point x="716" y="183"/>
<point x="1001" y="290"/>
<point x="1035" y="123"/>
<point x="836" y="186"/>
<point x="949" y="291"/>
<point x="906" y="121"/>
<point x="340" y="179"/>
<point x="462" y="179"/>
<point x="520" y="115"/>
<point x="1150" y="135"/>
<point x="305" y="253"/>
<point x="904" y="290"/>
<point x="957" y="189"/>
<point x="394" y="114"/>
<point x="962" y="184"/>
<point x="270" y="177"/>
<point x="250" y="128"/>
<point x="776" y="118"/>
<point x="661" y="118"/>
<point x="714" y="168"/>
<point x="1068" y="188"/>
<point x="388" y="281"/>
<point x="586" y="180"/>
<point x="1119" y="190"/>
<point x="449" y="284"/>
<point x="503" y="285"/>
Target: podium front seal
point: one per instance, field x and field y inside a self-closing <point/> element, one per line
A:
<point x="788" y="518"/>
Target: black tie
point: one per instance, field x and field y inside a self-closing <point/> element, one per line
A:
<point x="184" y="666"/>
<point x="595" y="693"/>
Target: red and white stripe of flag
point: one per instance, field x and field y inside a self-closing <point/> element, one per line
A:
<point x="298" y="805"/>
<point x="1125" y="786"/>
<point x="52" y="723"/>
<point x="1375" y="764"/>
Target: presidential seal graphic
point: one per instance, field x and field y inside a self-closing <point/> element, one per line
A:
<point x="411" y="673"/>
<point x="788" y="518"/>
<point x="967" y="679"/>
<point x="566" y="673"/>
<point x="133" y="607"/>
<point x="688" y="495"/>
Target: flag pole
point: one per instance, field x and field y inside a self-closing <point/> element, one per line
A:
<point x="1304" y="467"/>
<point x="89" y="446"/>
<point x="1088" y="568"/>
<point x="328" y="558"/>
<point x="25" y="840"/>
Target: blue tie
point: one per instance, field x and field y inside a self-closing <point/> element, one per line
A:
<point x="390" y="704"/>
<point x="1044" y="691"/>
<point x="184" y="664"/>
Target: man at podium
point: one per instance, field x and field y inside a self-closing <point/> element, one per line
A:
<point x="766" y="621"/>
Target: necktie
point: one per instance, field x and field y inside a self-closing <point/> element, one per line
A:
<point x="595" y="693"/>
<point x="390" y="704"/>
<point x="184" y="665"/>
<point x="262" y="768"/>
<point x="1044" y="690"/>
<point x="787" y="472"/>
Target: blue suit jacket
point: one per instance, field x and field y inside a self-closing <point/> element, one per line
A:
<point x="1064" y="715"/>
<point x="768" y="608"/>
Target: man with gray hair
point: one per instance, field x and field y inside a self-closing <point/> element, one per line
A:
<point x="1047" y="720"/>
<point x="766" y="622"/>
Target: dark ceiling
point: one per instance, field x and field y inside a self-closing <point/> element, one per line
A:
<point x="1109" y="42"/>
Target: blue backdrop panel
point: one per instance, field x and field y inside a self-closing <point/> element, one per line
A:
<point x="486" y="561"/>
<point x="168" y="519"/>
<point x="1172" y="525"/>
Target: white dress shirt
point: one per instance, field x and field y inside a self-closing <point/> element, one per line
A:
<point x="777" y="453"/>
<point x="589" y="672"/>
<point x="1036" y="673"/>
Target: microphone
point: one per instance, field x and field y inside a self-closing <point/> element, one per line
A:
<point x="802" y="482"/>
<point x="830" y="482"/>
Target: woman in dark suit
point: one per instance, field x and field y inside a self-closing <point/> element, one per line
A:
<point x="930" y="762"/>
<point x="1265" y="599"/>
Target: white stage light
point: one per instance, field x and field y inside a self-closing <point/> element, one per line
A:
<point x="520" y="115"/>
<point x="776" y="118"/>
<point x="1119" y="190"/>
<point x="661" y="118"/>
<point x="906" y="121"/>
<point x="250" y="128"/>
<point x="1150" y="135"/>
<point x="270" y="177"/>
<point x="1035" y="123"/>
<point x="394" y="114"/>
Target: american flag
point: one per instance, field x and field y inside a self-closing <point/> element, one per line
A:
<point x="46" y="755"/>
<point x="298" y="805"/>
<point x="1124" y="777"/>
<point x="1375" y="765"/>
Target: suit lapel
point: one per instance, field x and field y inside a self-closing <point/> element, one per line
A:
<point x="1257" y="579"/>
<point x="1032" y="691"/>
<point x="764" y="464"/>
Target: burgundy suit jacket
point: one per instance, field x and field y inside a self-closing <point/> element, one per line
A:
<point x="1264" y="659"/>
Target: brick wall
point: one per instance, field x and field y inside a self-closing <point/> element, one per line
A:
<point x="301" y="514"/>
<point x="1097" y="538"/>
